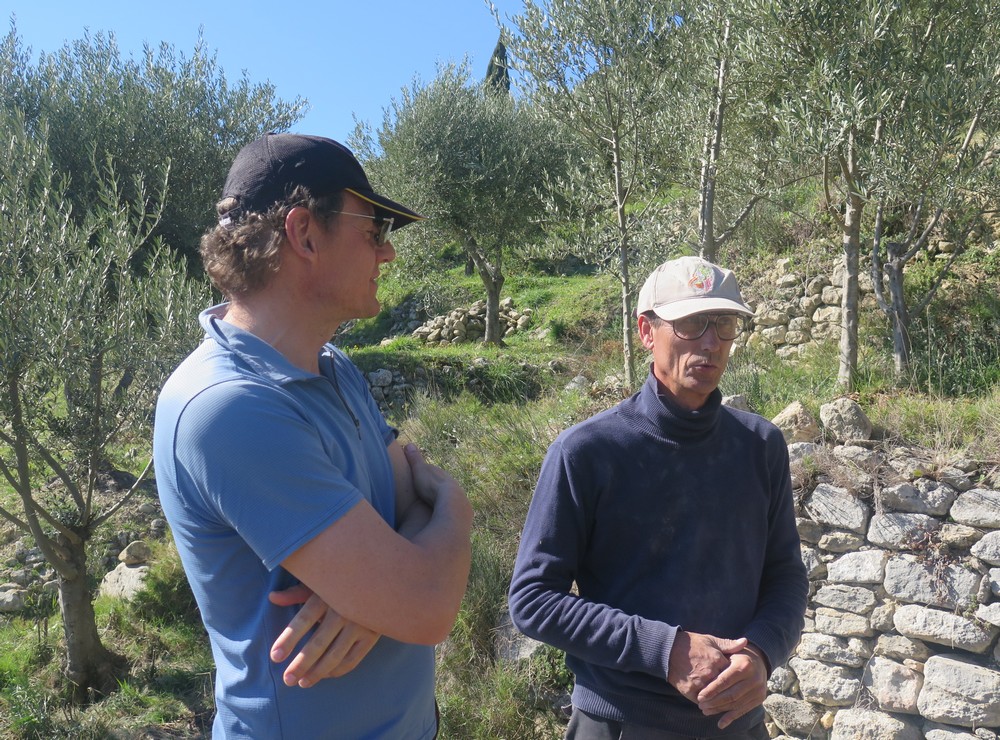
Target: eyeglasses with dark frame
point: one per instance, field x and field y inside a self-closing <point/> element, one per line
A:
<point x="728" y="326"/>
<point x="384" y="225"/>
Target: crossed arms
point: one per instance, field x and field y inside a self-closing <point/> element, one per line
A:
<point x="406" y="583"/>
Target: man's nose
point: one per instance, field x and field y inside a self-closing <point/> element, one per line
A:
<point x="710" y="339"/>
<point x="386" y="252"/>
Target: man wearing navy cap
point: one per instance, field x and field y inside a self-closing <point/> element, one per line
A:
<point x="283" y="483"/>
<point x="660" y="550"/>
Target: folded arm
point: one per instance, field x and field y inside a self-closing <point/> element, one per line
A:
<point x="405" y="584"/>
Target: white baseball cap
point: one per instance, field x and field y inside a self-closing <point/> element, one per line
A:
<point x="689" y="285"/>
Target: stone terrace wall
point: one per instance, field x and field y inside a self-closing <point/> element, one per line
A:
<point x="802" y="310"/>
<point x="904" y="612"/>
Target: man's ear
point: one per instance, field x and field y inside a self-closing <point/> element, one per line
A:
<point x="645" y="327"/>
<point x="298" y="231"/>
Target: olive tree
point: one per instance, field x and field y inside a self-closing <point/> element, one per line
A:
<point x="472" y="161"/>
<point x="86" y="337"/>
<point x="735" y="156"/>
<point x="899" y="102"/>
<point x="604" y="70"/>
<point x="164" y="110"/>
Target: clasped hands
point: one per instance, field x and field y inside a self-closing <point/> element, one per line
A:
<point x="727" y="677"/>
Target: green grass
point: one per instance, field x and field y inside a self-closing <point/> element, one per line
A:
<point x="169" y="686"/>
<point x="573" y="307"/>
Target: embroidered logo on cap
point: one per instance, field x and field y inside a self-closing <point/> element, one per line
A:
<point x="702" y="279"/>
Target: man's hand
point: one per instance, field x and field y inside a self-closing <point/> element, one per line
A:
<point x="429" y="481"/>
<point x="697" y="660"/>
<point x="738" y="689"/>
<point x="335" y="648"/>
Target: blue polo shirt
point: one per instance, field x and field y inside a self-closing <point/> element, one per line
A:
<point x="254" y="457"/>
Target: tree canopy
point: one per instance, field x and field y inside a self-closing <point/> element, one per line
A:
<point x="475" y="163"/>
<point x="165" y="112"/>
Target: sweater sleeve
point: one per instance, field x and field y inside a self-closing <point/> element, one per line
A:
<point x="542" y="604"/>
<point x="782" y="597"/>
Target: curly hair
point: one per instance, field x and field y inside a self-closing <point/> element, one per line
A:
<point x="243" y="251"/>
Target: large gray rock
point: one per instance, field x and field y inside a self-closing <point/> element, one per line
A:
<point x="850" y="652"/>
<point x="855" y="599"/>
<point x="958" y="536"/>
<point x="901" y="531"/>
<point x="830" y="686"/>
<point x="881" y="616"/>
<point x="959" y="692"/>
<point x="988" y="548"/>
<point x="866" y="566"/>
<point x="795" y="717"/>
<point x="934" y="500"/>
<point x="943" y="628"/>
<point x="125" y="581"/>
<point x="865" y="724"/>
<point x="843" y="624"/>
<point x="894" y="685"/>
<point x="838" y="508"/>
<point x="841" y="542"/>
<point x="920" y="581"/>
<point x="12" y="601"/>
<point x="815" y="567"/>
<point x="989" y="613"/>
<point x="901" y="648"/>
<point x="860" y="456"/>
<point x="136" y="553"/>
<point x="979" y="507"/>
<point x="845" y="420"/>
<point x="797" y="424"/>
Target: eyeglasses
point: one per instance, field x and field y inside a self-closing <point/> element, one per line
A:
<point x="384" y="225"/>
<point x="728" y="326"/>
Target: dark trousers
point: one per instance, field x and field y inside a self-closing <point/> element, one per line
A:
<point x="583" y="726"/>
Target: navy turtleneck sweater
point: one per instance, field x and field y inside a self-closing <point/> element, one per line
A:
<point x="665" y="519"/>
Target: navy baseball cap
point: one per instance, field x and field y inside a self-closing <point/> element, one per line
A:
<point x="268" y="169"/>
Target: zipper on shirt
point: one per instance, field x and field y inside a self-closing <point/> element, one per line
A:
<point x="336" y="387"/>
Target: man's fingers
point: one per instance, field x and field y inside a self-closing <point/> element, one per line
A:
<point x="312" y="611"/>
<point x="323" y="642"/>
<point x="414" y="455"/>
<point x="342" y="657"/>
<point x="314" y="663"/>
<point x="290" y="596"/>
<point x="734" y="714"/>
<point x="714" y="689"/>
<point x="731" y="647"/>
<point x="736" y="691"/>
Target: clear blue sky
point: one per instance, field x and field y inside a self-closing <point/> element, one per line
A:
<point x="346" y="58"/>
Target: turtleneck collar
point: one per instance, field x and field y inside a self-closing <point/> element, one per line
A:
<point x="662" y="417"/>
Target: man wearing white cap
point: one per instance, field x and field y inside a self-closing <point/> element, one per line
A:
<point x="673" y="517"/>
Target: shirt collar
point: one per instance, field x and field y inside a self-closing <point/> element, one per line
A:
<point x="251" y="349"/>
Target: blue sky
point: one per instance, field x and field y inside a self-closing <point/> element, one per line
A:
<point x="346" y="58"/>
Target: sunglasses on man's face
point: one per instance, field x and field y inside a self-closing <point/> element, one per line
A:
<point x="384" y="225"/>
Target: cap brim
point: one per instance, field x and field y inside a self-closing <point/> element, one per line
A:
<point x="385" y="208"/>
<point x="687" y="307"/>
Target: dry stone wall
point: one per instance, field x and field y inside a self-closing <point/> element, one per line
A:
<point x="802" y="311"/>
<point x="903" y="555"/>
<point x="469" y="324"/>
